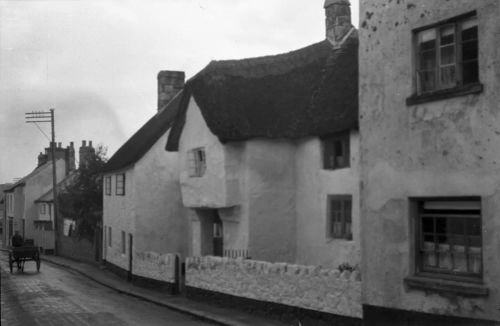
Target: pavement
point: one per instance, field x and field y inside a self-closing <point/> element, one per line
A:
<point x="216" y="314"/>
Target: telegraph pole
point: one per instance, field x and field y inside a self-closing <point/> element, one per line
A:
<point x="48" y="116"/>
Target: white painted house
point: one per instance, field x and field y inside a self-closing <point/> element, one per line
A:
<point x="143" y="217"/>
<point x="268" y="153"/>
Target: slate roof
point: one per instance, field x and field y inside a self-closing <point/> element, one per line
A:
<point x="48" y="196"/>
<point x="312" y="91"/>
<point x="22" y="182"/>
<point x="137" y="145"/>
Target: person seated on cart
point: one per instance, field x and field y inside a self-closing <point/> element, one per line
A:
<point x="17" y="240"/>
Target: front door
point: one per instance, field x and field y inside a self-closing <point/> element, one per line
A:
<point x="218" y="236"/>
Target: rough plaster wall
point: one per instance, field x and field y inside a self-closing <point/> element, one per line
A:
<point x="442" y="148"/>
<point x="219" y="187"/>
<point x="269" y="174"/>
<point x="161" y="222"/>
<point x="314" y="184"/>
<point x="119" y="214"/>
<point x="308" y="287"/>
<point x="210" y="190"/>
<point x="36" y="186"/>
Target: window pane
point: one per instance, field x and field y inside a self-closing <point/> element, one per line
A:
<point x="469" y="51"/>
<point x="428" y="60"/>
<point x="427" y="39"/>
<point x="474" y="241"/>
<point x="427" y="80"/>
<point x="456" y="225"/>
<point x="448" y="77"/>
<point x="469" y="29"/>
<point x="441" y="225"/>
<point x="470" y="72"/>
<point x="428" y="224"/>
<point x="447" y="35"/>
<point x="347" y="210"/>
<point x="447" y="55"/>
<point x="459" y="262"/>
<point x="473" y="226"/>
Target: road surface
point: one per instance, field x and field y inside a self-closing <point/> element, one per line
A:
<point x="56" y="296"/>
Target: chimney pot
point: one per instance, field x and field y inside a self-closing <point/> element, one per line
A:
<point x="90" y="143"/>
<point x="71" y="144"/>
<point x="169" y="84"/>
<point x="84" y="143"/>
<point x="338" y="20"/>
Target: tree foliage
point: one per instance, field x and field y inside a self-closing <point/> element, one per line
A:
<point x="80" y="198"/>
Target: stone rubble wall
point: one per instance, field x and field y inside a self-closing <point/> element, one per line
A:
<point x="155" y="266"/>
<point x="309" y="287"/>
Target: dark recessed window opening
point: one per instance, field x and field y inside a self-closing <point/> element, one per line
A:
<point x="449" y="237"/>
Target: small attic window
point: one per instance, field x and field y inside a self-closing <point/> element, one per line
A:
<point x="197" y="163"/>
<point x="336" y="151"/>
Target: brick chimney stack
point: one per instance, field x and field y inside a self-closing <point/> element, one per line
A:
<point x="70" y="158"/>
<point x="169" y="84"/>
<point x="85" y="153"/>
<point x="42" y="159"/>
<point x="338" y="20"/>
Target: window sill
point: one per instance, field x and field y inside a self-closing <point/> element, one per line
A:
<point x="445" y="94"/>
<point x="447" y="286"/>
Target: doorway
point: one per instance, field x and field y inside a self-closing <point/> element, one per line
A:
<point x="212" y="233"/>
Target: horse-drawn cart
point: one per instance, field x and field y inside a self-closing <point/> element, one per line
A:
<point x="20" y="255"/>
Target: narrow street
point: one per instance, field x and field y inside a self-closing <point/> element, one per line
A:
<point x="59" y="297"/>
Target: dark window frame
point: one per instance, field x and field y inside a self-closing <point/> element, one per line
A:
<point x="457" y="87"/>
<point x="197" y="162"/>
<point x="449" y="217"/>
<point x="331" y="146"/>
<point x="107" y="185"/>
<point x="344" y="217"/>
<point x="43" y="208"/>
<point x="120" y="185"/>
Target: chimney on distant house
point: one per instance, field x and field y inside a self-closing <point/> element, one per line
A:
<point x="42" y="159"/>
<point x="169" y="84"/>
<point x="85" y="153"/>
<point x="338" y="20"/>
<point x="70" y="158"/>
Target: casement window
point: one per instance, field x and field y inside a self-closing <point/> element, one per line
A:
<point x="449" y="241"/>
<point x="120" y="184"/>
<point x="43" y="209"/>
<point x="109" y="236"/>
<point x="336" y="152"/>
<point x="107" y="185"/>
<point x="10" y="203"/>
<point x="339" y="221"/>
<point x="124" y="248"/>
<point x="197" y="163"/>
<point x="447" y="55"/>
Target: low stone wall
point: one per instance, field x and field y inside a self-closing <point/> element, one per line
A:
<point x="76" y="248"/>
<point x="308" y="287"/>
<point x="152" y="265"/>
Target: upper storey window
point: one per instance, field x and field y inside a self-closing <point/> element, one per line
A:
<point x="197" y="162"/>
<point x="447" y="58"/>
<point x="336" y="152"/>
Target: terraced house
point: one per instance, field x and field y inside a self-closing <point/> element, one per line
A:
<point x="430" y="153"/>
<point x="144" y="223"/>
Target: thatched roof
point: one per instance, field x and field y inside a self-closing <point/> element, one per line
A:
<point x="137" y="145"/>
<point x="312" y="91"/>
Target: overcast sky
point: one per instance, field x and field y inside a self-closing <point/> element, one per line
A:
<point x="96" y="62"/>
